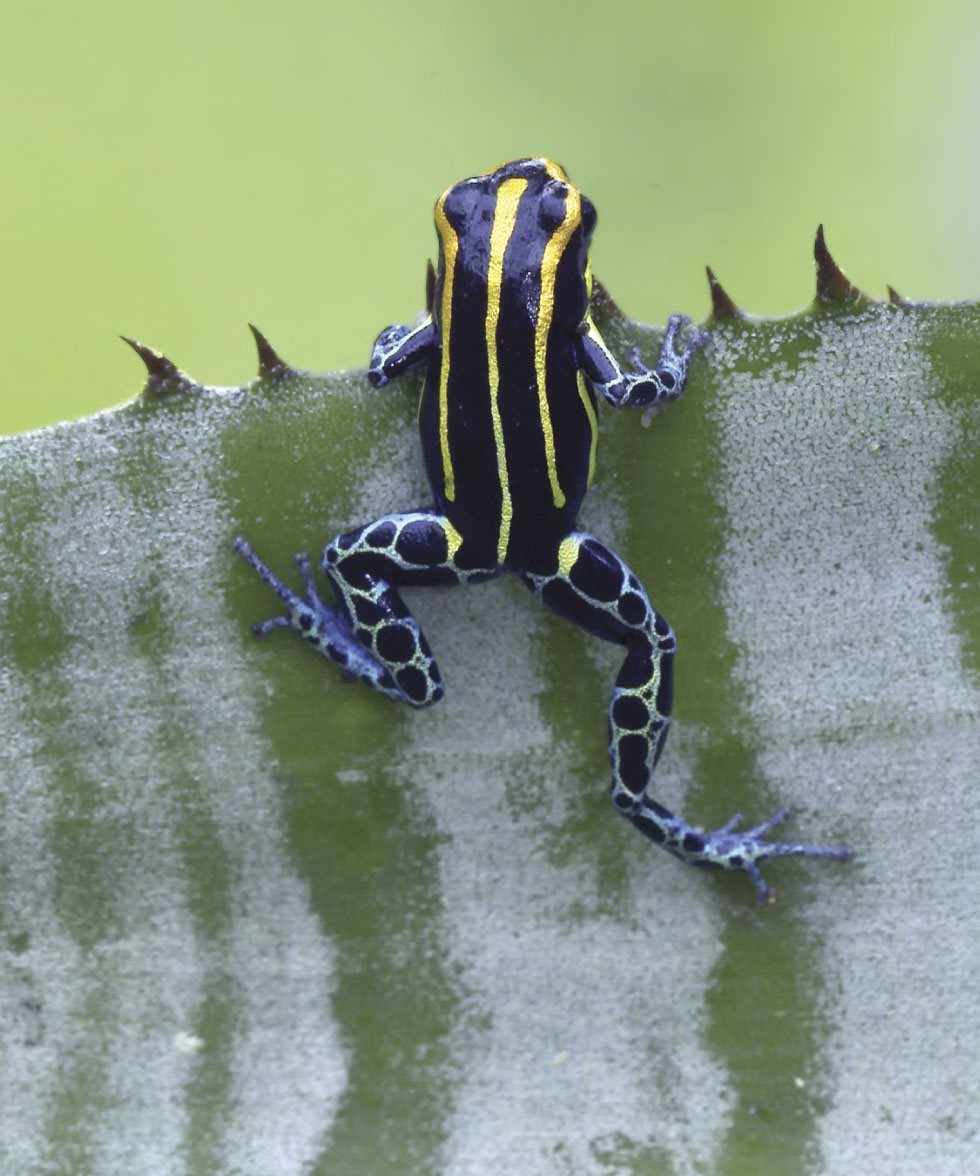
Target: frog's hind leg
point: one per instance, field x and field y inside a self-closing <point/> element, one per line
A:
<point x="591" y="586"/>
<point x="370" y="632"/>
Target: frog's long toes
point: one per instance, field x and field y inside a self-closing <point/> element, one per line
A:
<point x="262" y="628"/>
<point x="698" y="340"/>
<point x="306" y="574"/>
<point x="763" y="891"/>
<point x="731" y="824"/>
<point x="771" y="849"/>
<point x="780" y="817"/>
<point x="836" y="853"/>
<point x="242" y="547"/>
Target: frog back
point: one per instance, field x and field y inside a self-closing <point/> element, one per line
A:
<point x="507" y="420"/>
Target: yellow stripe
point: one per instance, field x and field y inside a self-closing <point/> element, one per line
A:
<point x="453" y="538"/>
<point x="549" y="267"/>
<point x="450" y="244"/>
<point x="504" y="218"/>
<point x="567" y="554"/>
<point x="593" y="424"/>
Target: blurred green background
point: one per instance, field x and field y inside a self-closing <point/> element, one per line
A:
<point x="172" y="172"/>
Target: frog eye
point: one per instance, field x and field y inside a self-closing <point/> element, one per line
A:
<point x="461" y="202"/>
<point x="551" y="206"/>
<point x="588" y="216"/>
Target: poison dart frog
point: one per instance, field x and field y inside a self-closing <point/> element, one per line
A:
<point x="514" y="364"/>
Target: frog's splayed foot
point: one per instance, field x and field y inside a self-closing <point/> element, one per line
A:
<point x="369" y="634"/>
<point x="321" y="626"/>
<point x="725" y="848"/>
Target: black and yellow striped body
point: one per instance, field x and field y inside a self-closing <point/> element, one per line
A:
<point x="507" y="419"/>
<point x="508" y="426"/>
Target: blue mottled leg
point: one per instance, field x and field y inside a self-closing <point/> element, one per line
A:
<point x="369" y="632"/>
<point x="591" y="586"/>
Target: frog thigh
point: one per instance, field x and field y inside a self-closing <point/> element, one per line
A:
<point x="594" y="588"/>
<point x="366" y="567"/>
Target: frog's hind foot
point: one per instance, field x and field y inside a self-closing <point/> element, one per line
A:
<point x="730" y="849"/>
<point x="321" y="626"/>
<point x="242" y="547"/>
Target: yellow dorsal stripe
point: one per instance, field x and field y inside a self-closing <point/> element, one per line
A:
<point x="593" y="424"/>
<point x="450" y="245"/>
<point x="549" y="267"/>
<point x="504" y="218"/>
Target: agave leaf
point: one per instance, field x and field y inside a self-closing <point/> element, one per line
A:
<point x="253" y="919"/>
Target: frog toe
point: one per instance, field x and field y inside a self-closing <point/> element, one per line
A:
<point x="698" y="339"/>
<point x="262" y="628"/>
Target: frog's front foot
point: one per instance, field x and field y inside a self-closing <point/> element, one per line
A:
<point x="317" y="623"/>
<point x="672" y="365"/>
<point x="747" y="850"/>
<point x="653" y="388"/>
<point x="384" y="346"/>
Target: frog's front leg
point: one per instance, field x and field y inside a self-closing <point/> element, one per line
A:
<point x="642" y="387"/>
<point x="590" y="585"/>
<point x="398" y="348"/>
<point x="370" y="633"/>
